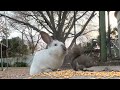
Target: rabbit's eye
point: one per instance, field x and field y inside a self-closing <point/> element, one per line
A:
<point x="55" y="44"/>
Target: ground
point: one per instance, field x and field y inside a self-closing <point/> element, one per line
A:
<point x="100" y="72"/>
<point x="14" y="73"/>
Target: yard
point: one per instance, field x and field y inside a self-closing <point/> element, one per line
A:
<point x="20" y="39"/>
<point x="99" y="73"/>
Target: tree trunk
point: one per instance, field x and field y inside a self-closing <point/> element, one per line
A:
<point x="1" y="59"/>
<point x="103" y="46"/>
<point x="109" y="39"/>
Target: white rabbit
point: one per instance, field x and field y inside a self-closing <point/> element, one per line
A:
<point x="48" y="59"/>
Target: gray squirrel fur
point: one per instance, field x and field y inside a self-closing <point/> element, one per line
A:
<point x="80" y="61"/>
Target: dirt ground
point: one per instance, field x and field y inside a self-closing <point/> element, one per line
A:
<point x="14" y="73"/>
<point x="101" y="72"/>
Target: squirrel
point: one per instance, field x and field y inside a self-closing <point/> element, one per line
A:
<point x="80" y="61"/>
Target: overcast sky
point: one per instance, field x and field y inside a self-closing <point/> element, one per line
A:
<point x="113" y="22"/>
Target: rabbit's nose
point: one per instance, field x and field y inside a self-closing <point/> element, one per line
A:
<point x="64" y="48"/>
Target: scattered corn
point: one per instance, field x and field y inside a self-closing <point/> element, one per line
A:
<point x="70" y="73"/>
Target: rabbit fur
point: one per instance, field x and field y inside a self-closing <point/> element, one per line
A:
<point x="48" y="59"/>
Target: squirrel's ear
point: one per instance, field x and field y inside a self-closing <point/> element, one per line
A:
<point x="46" y="38"/>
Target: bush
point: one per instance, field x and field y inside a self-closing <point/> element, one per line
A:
<point x="20" y="64"/>
<point x="5" y="64"/>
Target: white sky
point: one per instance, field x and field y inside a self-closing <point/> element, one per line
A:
<point x="113" y="22"/>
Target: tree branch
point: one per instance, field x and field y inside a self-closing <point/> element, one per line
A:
<point x="68" y="25"/>
<point x="21" y="22"/>
<point x="60" y="27"/>
<point x="37" y="41"/>
<point x="70" y="28"/>
<point x="78" y="34"/>
<point x="41" y="22"/>
<point x="75" y="20"/>
<point x="89" y="32"/>
<point x="51" y="17"/>
<point x="59" y="18"/>
<point x="81" y="15"/>
<point x="47" y="21"/>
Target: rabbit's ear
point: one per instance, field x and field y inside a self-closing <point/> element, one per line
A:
<point x="46" y="38"/>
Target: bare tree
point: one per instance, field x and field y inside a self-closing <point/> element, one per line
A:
<point x="4" y="33"/>
<point x="58" y="23"/>
<point x="28" y="35"/>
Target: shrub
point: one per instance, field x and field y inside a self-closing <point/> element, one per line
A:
<point x="5" y="64"/>
<point x="20" y="64"/>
